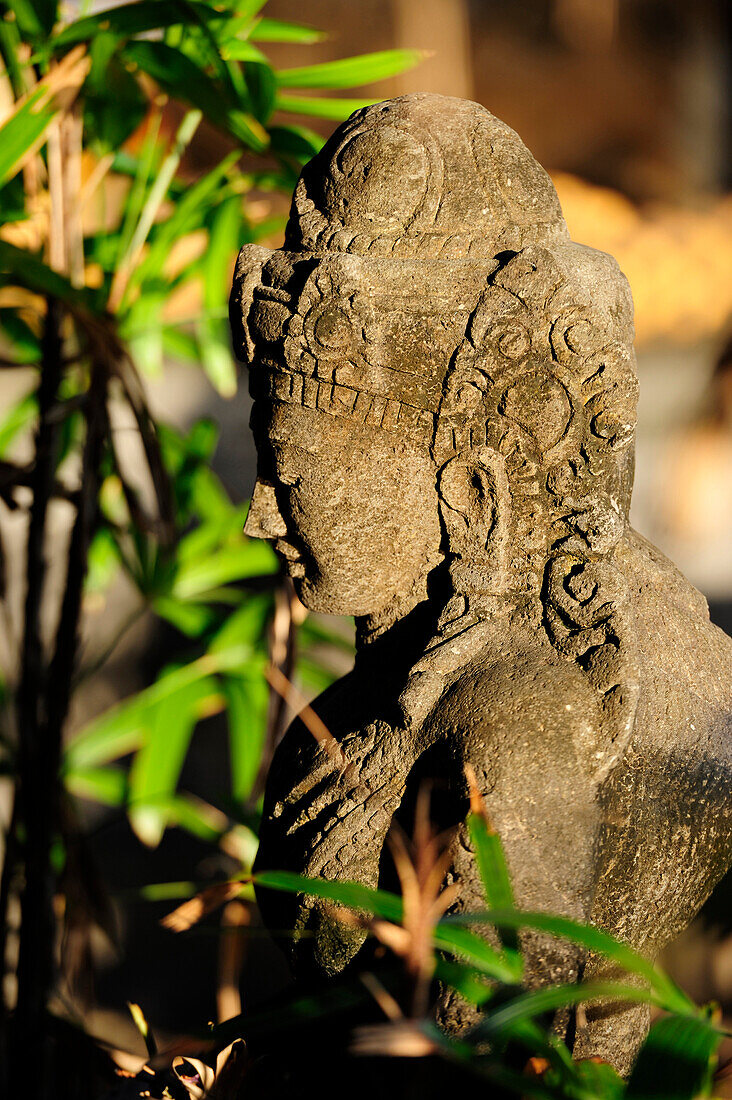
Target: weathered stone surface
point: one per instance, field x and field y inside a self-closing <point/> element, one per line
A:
<point x="445" y="408"/>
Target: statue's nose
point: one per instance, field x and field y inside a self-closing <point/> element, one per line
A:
<point x="264" y="520"/>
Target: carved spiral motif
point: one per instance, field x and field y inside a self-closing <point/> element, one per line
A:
<point x="542" y="381"/>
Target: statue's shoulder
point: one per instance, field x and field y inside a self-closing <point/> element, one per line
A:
<point x="524" y="690"/>
<point x="674" y="632"/>
<point x="654" y="576"/>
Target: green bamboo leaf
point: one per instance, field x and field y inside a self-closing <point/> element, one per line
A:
<point x="35" y="17"/>
<point x="470" y="983"/>
<point x="181" y="77"/>
<point x="527" y="1006"/>
<point x="142" y="328"/>
<point x="143" y="169"/>
<point x="473" y="948"/>
<point x="202" y="43"/>
<point x="187" y="216"/>
<point x="459" y="941"/>
<point x="675" y="1062"/>
<point x="318" y="630"/>
<point x="192" y="619"/>
<point x="599" y="1079"/>
<point x="247" y="700"/>
<point x="21" y="268"/>
<point x="102" y="561"/>
<point x="169" y="891"/>
<point x="190" y="453"/>
<point x="209" y="499"/>
<point x="665" y="990"/>
<point x="247" y="625"/>
<point x="210" y="534"/>
<point x="321" y="106"/>
<point x="26" y="344"/>
<point x="158" y="762"/>
<point x="270" y="227"/>
<point x="491" y="861"/>
<point x="224" y="239"/>
<point x="215" y="356"/>
<point x="121" y="729"/>
<point x="351" y="72"/>
<point x="20" y="416"/>
<point x="24" y="132"/>
<point x="278" y="30"/>
<point x="514" y="1020"/>
<point x="295" y="141"/>
<point x="105" y="785"/>
<point x="352" y="895"/>
<point x="139" y="17"/>
<point x="196" y="816"/>
<point x="313" y="674"/>
<point x="241" y="50"/>
<point x="180" y="345"/>
<point x="251" y="558"/>
<point x="114" y="102"/>
<point x="262" y="90"/>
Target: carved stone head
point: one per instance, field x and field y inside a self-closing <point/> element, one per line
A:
<point x="442" y="378"/>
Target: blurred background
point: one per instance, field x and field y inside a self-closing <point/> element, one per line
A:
<point x="627" y="104"/>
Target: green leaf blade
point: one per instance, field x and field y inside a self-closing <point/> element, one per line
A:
<point x="666" y="991"/>
<point x="351" y="72"/>
<point x="247" y="699"/>
<point x="321" y="107"/>
<point x="352" y="895"/>
<point x="675" y="1062"/>
<point x="158" y="762"/>
<point x="278" y="30"/>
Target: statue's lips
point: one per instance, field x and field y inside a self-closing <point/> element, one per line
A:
<point x="291" y="557"/>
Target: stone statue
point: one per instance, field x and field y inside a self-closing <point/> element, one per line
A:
<point x="444" y="407"/>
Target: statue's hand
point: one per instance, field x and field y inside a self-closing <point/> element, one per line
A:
<point x="332" y="824"/>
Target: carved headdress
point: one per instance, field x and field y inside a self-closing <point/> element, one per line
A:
<point x="428" y="286"/>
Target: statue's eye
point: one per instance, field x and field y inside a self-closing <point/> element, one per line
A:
<point x="267" y="321"/>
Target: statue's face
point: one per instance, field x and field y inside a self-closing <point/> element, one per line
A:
<point x="352" y="510"/>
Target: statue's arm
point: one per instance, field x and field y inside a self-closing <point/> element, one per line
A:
<point x="330" y="823"/>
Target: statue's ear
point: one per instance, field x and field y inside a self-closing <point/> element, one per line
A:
<point x="247" y="275"/>
<point x="475" y="509"/>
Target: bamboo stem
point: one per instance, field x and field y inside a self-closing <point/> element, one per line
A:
<point x="37" y="768"/>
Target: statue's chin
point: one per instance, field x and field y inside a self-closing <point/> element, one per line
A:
<point x="318" y="596"/>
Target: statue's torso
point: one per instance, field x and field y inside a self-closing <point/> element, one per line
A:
<point x="637" y="853"/>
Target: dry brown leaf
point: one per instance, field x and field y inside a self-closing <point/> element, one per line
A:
<point x="193" y="910"/>
<point x="477" y="805"/>
<point x="202" y="1080"/>
<point x="59" y="87"/>
<point x="383" y="997"/>
<point x="397" y="1039"/>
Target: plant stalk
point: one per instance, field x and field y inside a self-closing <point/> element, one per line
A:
<point x="36" y="758"/>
